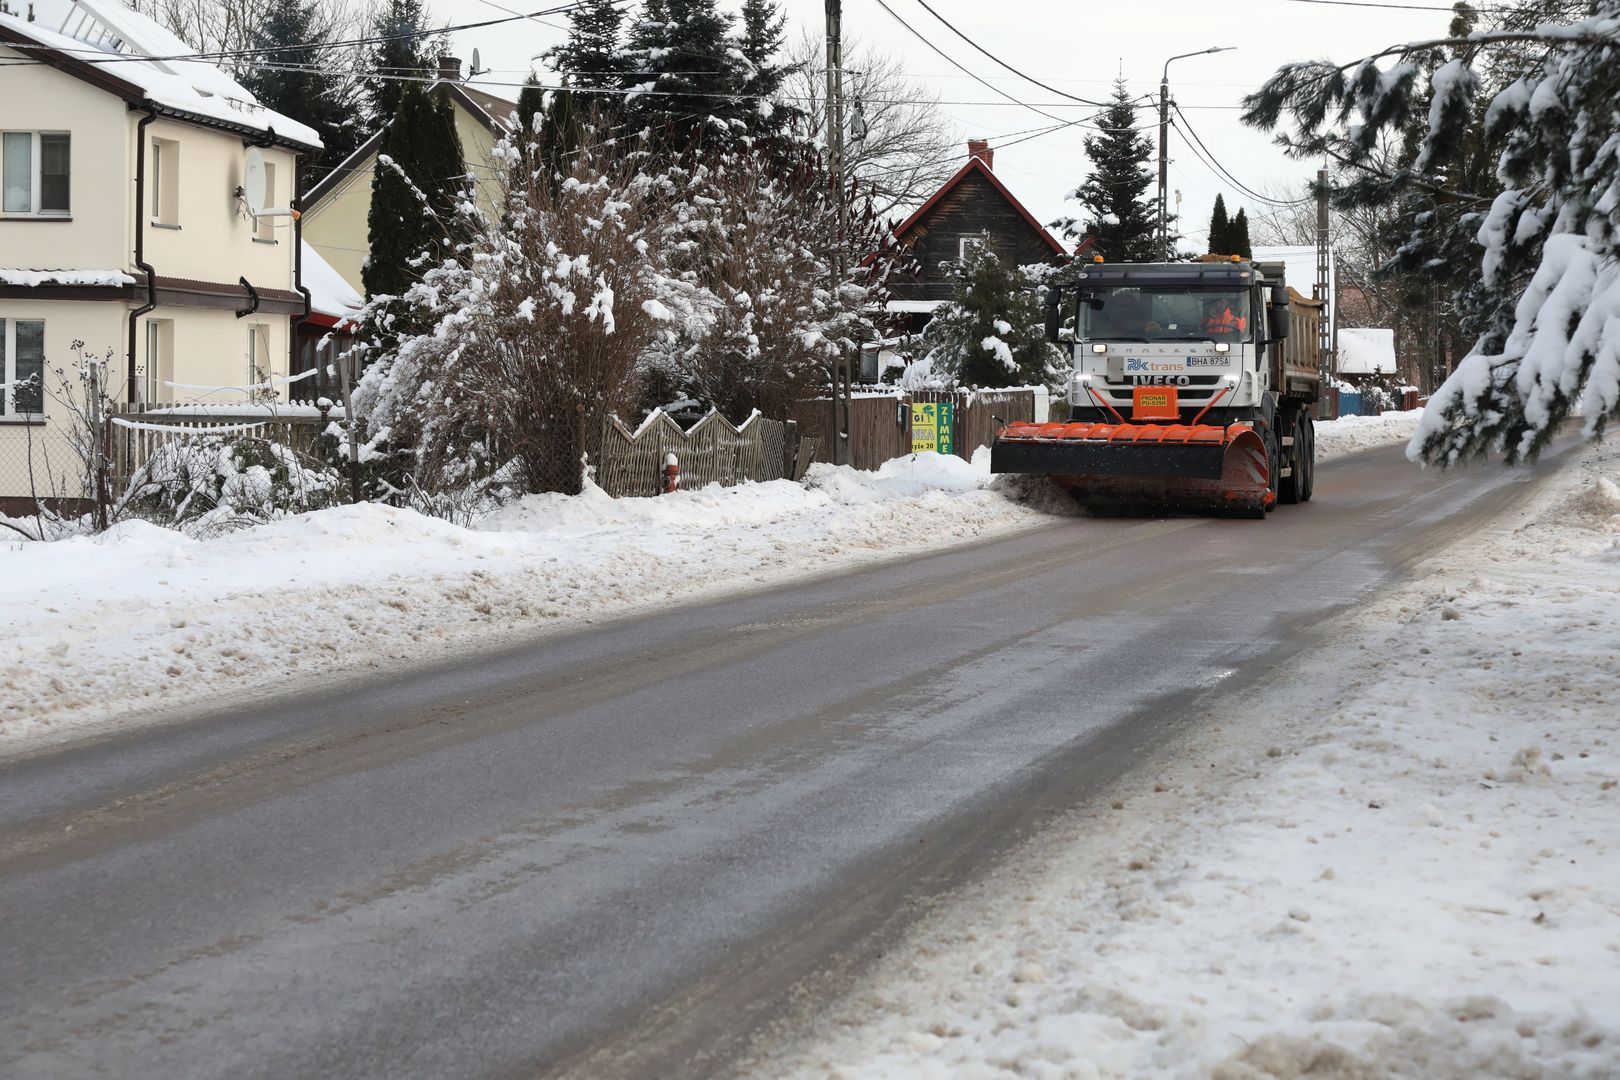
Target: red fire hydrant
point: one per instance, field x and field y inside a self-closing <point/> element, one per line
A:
<point x="672" y="474"/>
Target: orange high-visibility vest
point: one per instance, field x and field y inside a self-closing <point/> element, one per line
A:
<point x="1226" y="321"/>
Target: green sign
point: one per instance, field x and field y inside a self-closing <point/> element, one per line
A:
<point x="933" y="427"/>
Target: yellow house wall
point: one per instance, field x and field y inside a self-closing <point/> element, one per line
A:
<point x="34" y="97"/>
<point x="46" y="446"/>
<point x="214" y="240"/>
<point x="339" y="228"/>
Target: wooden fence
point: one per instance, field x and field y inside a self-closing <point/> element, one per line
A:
<point x="880" y="424"/>
<point x="136" y="432"/>
<point x="630" y="463"/>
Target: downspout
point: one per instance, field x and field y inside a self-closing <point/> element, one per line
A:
<point x="298" y="283"/>
<point x="140" y="241"/>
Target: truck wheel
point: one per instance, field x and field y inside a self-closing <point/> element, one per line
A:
<point x="1308" y="457"/>
<point x="1291" y="488"/>
<point x="1274" y="463"/>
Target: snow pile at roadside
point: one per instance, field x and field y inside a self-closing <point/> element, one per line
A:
<point x="143" y="618"/>
<point x="1399" y="856"/>
<point x="1348" y="434"/>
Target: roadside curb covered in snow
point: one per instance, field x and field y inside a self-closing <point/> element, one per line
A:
<point x="1400" y="856"/>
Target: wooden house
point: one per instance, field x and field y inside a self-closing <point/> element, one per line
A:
<point x="973" y="207"/>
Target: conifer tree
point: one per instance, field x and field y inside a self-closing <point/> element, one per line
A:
<point x="593" y="57"/>
<point x="304" y="92"/>
<point x="1237" y="236"/>
<point x="405" y="50"/>
<point x="1505" y="181"/>
<point x="1219" y="228"/>
<point x="1115" y="207"/>
<point x="682" y="55"/>
<point x="419" y="177"/>
<point x="764" y="29"/>
<point x="992" y="332"/>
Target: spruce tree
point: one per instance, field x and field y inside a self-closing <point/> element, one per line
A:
<point x="420" y="176"/>
<point x="1237" y="236"/>
<point x="1504" y="194"/>
<point x="306" y="94"/>
<point x="992" y="332"/>
<point x="593" y="57"/>
<point x="1115" y="207"/>
<point x="1219" y="229"/>
<point x="763" y="32"/>
<point x="405" y="50"/>
<point x="682" y="55"/>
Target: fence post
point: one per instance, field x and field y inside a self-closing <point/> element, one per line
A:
<point x="353" y="422"/>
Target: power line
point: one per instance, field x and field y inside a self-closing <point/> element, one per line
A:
<point x="1209" y="159"/>
<point x="101" y="57"/>
<point x="953" y="62"/>
<point x="996" y="59"/>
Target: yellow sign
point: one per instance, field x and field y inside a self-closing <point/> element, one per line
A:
<point x="933" y="427"/>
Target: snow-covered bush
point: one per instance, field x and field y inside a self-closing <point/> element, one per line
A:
<point x="537" y="325"/>
<point x="205" y="481"/>
<point x="613" y="278"/>
<point x="751" y="318"/>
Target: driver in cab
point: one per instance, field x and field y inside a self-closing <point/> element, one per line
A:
<point x="1221" y="323"/>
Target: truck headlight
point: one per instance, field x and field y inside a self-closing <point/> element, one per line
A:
<point x="1223" y="347"/>
<point x="1229" y="379"/>
<point x="1099" y="347"/>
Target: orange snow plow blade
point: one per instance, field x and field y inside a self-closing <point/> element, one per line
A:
<point x="1176" y="466"/>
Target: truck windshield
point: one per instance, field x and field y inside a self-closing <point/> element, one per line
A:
<point x="1164" y="314"/>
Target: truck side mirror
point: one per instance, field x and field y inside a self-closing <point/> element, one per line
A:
<point x="1054" y="313"/>
<point x="1281" y="314"/>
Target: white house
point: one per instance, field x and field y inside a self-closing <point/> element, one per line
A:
<point x="123" y="223"/>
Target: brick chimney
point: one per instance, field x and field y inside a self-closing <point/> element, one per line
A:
<point x="450" y="68"/>
<point x="980" y="148"/>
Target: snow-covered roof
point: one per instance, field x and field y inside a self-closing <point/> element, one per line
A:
<point x="1300" y="263"/>
<point x="913" y="307"/>
<point x="36" y="278"/>
<point x="128" y="50"/>
<point x="1366" y="350"/>
<point x="329" y="294"/>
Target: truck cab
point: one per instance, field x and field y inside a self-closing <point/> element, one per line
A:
<point x="1172" y="342"/>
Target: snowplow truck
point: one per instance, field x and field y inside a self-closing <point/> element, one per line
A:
<point x="1191" y="387"/>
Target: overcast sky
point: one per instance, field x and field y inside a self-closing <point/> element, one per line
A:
<point x="1075" y="46"/>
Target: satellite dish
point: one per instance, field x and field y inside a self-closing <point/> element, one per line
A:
<point x="477" y="68"/>
<point x="253" y="181"/>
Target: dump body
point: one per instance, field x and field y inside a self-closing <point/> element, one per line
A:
<point x="1190" y="388"/>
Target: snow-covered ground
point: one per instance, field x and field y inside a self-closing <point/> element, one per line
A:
<point x="143" y="622"/>
<point x="1397" y="856"/>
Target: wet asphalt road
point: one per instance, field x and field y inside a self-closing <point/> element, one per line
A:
<point x="621" y="852"/>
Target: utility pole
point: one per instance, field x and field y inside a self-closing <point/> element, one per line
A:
<point x="841" y="374"/>
<point x="1164" y="164"/>
<point x="1164" y="141"/>
<point x="1324" y="283"/>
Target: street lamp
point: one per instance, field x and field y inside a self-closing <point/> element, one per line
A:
<point x="1164" y="136"/>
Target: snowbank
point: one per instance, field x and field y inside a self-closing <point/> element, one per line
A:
<point x="1400" y="856"/>
<point x="110" y="629"/>
<point x="1348" y="434"/>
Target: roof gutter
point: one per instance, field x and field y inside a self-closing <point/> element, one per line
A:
<point x="140" y="241"/>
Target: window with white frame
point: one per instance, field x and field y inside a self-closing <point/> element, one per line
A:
<point x="163" y="178"/>
<point x="36" y="173"/>
<point x="158" y="363"/>
<point x="264" y="227"/>
<point x="22" y="367"/>
<point x="258" y="355"/>
<point x="966" y="245"/>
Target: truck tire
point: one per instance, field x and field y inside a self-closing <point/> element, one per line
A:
<point x="1308" y="457"/>
<point x="1291" y="488"/>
